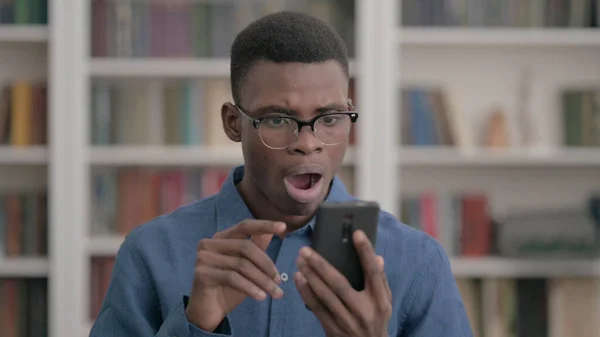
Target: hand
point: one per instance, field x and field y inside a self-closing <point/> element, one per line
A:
<point x="341" y="309"/>
<point x="229" y="267"/>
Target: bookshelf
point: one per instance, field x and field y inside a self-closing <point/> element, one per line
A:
<point x="499" y="74"/>
<point x="26" y="159"/>
<point x="507" y="67"/>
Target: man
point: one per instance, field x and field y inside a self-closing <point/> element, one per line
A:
<point x="238" y="263"/>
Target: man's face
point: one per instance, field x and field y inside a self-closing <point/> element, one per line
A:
<point x="302" y="91"/>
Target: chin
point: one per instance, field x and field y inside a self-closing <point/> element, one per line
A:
<point x="294" y="208"/>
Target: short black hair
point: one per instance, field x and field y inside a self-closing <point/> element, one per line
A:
<point x="284" y="36"/>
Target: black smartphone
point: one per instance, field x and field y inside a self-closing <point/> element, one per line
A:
<point x="332" y="237"/>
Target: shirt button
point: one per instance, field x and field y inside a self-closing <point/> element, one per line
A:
<point x="284" y="277"/>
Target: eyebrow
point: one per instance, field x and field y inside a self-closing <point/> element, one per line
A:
<point x="287" y="111"/>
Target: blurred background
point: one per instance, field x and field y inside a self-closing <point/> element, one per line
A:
<point x="111" y="117"/>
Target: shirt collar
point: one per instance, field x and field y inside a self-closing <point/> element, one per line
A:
<point x="231" y="208"/>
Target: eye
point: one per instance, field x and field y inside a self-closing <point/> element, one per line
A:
<point x="276" y="121"/>
<point x="329" y="120"/>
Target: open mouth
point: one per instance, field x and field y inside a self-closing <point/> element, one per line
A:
<point x="304" y="181"/>
<point x="305" y="187"/>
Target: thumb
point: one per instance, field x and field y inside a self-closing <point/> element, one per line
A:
<point x="262" y="240"/>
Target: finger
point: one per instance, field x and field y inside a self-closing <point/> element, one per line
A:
<point x="313" y="304"/>
<point x="381" y="265"/>
<point x="374" y="272"/>
<point x="262" y="240"/>
<point x="252" y="227"/>
<point x="232" y="279"/>
<point x="368" y="260"/>
<point x="242" y="266"/>
<point x="331" y="287"/>
<point x="242" y="248"/>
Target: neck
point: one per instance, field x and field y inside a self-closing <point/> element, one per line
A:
<point x="261" y="208"/>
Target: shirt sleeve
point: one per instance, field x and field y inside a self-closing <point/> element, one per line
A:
<point x="131" y="308"/>
<point x="435" y="307"/>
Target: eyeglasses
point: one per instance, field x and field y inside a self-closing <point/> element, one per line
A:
<point x="280" y="131"/>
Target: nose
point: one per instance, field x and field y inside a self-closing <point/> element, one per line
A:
<point x="306" y="143"/>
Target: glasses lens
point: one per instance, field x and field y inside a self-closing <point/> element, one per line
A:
<point x="333" y="128"/>
<point x="278" y="132"/>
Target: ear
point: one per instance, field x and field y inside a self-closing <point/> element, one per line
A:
<point x="230" y="117"/>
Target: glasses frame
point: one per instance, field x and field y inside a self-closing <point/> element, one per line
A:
<point x="301" y="123"/>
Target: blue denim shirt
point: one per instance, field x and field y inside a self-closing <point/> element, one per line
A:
<point x="155" y="268"/>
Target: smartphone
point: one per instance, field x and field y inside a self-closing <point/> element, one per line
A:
<point x="332" y="236"/>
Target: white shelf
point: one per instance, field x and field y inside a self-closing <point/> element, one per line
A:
<point x="475" y="36"/>
<point x="523" y="268"/>
<point x="169" y="156"/>
<point x="23" y="267"/>
<point x="104" y="245"/>
<point x="23" y="155"/>
<point x="163" y="67"/>
<point x="23" y="33"/>
<point x="414" y="156"/>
